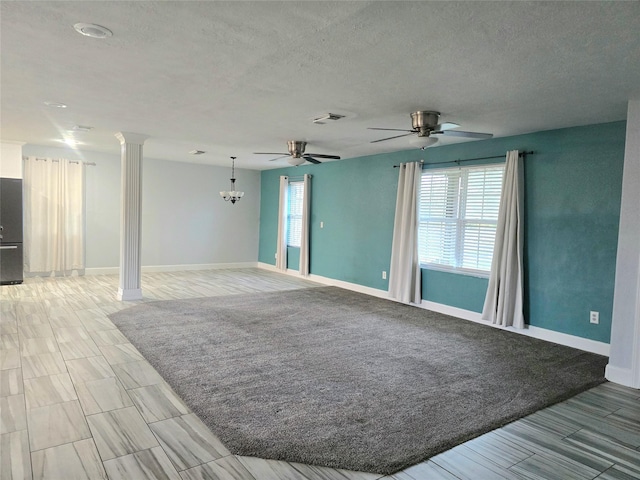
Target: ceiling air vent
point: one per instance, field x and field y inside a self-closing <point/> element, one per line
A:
<point x="328" y="116"/>
<point x="197" y="152"/>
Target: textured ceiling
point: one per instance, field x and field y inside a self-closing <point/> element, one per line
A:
<point x="231" y="78"/>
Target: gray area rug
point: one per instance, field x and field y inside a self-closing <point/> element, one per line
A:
<point x="330" y="377"/>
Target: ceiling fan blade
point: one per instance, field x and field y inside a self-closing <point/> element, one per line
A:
<point x="392" y="129"/>
<point x="389" y="138"/>
<point x="311" y="159"/>
<point x="278" y="158"/>
<point x="333" y="157"/>
<point x="446" y="126"/>
<point x="458" y="133"/>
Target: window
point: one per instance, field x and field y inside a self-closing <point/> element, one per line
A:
<point x="458" y="217"/>
<point x="294" y="214"/>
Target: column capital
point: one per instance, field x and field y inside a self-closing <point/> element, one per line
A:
<point x="128" y="137"/>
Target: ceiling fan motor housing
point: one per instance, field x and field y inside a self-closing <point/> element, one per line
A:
<point x="296" y="148"/>
<point x="424" y="121"/>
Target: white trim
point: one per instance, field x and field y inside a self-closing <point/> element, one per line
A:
<point x="453" y="311"/>
<point x="200" y="266"/>
<point x="622" y="376"/>
<point x="129" y="294"/>
<point x="580" y="343"/>
<point x="374" y="292"/>
<point x="102" y="271"/>
<point x="173" y="268"/>
<point x="332" y="282"/>
<point x="574" y="341"/>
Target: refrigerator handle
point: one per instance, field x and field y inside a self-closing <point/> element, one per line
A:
<point x="8" y="247"/>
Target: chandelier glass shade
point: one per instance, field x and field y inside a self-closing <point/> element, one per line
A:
<point x="232" y="195"/>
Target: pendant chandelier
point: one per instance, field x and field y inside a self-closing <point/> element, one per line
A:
<point x="232" y="195"/>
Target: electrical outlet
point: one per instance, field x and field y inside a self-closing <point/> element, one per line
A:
<point x="384" y="275"/>
<point x="321" y="224"/>
<point x="594" y="317"/>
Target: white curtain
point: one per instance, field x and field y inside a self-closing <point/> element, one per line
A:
<point x="54" y="215"/>
<point x="503" y="303"/>
<point x="304" y="238"/>
<point x="404" y="276"/>
<point x="281" y="247"/>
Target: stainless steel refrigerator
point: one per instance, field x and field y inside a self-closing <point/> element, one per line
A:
<point x="11" y="262"/>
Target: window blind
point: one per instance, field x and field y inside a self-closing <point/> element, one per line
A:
<point x="294" y="214"/>
<point x="458" y="216"/>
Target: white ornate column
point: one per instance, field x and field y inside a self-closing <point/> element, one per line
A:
<point x="131" y="215"/>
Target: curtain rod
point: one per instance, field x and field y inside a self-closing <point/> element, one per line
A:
<point x="299" y="177"/>
<point x="89" y="164"/>
<point x="520" y="154"/>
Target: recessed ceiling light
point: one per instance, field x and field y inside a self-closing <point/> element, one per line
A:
<point x="55" y="104"/>
<point x="92" y="30"/>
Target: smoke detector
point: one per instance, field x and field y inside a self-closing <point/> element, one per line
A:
<point x="92" y="30"/>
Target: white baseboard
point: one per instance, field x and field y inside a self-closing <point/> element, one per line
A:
<point x="268" y="266"/>
<point x="200" y="266"/>
<point x="102" y="271"/>
<point x="453" y="311"/>
<point x="375" y="292"/>
<point x="580" y="343"/>
<point x="623" y="376"/>
<point x="173" y="268"/>
<point x="332" y="282"/>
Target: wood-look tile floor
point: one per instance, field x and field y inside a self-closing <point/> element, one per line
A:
<point x="78" y="401"/>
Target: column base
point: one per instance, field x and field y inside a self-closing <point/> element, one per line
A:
<point x="129" y="294"/>
<point x="622" y="376"/>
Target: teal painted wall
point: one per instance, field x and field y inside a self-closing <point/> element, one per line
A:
<point x="572" y="203"/>
<point x="446" y="287"/>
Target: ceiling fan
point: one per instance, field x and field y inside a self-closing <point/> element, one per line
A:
<point x="426" y="123"/>
<point x="297" y="155"/>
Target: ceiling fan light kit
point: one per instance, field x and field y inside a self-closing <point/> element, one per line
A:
<point x="423" y="142"/>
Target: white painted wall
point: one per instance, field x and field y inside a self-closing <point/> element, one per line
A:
<point x="624" y="359"/>
<point x="10" y="159"/>
<point x="184" y="220"/>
